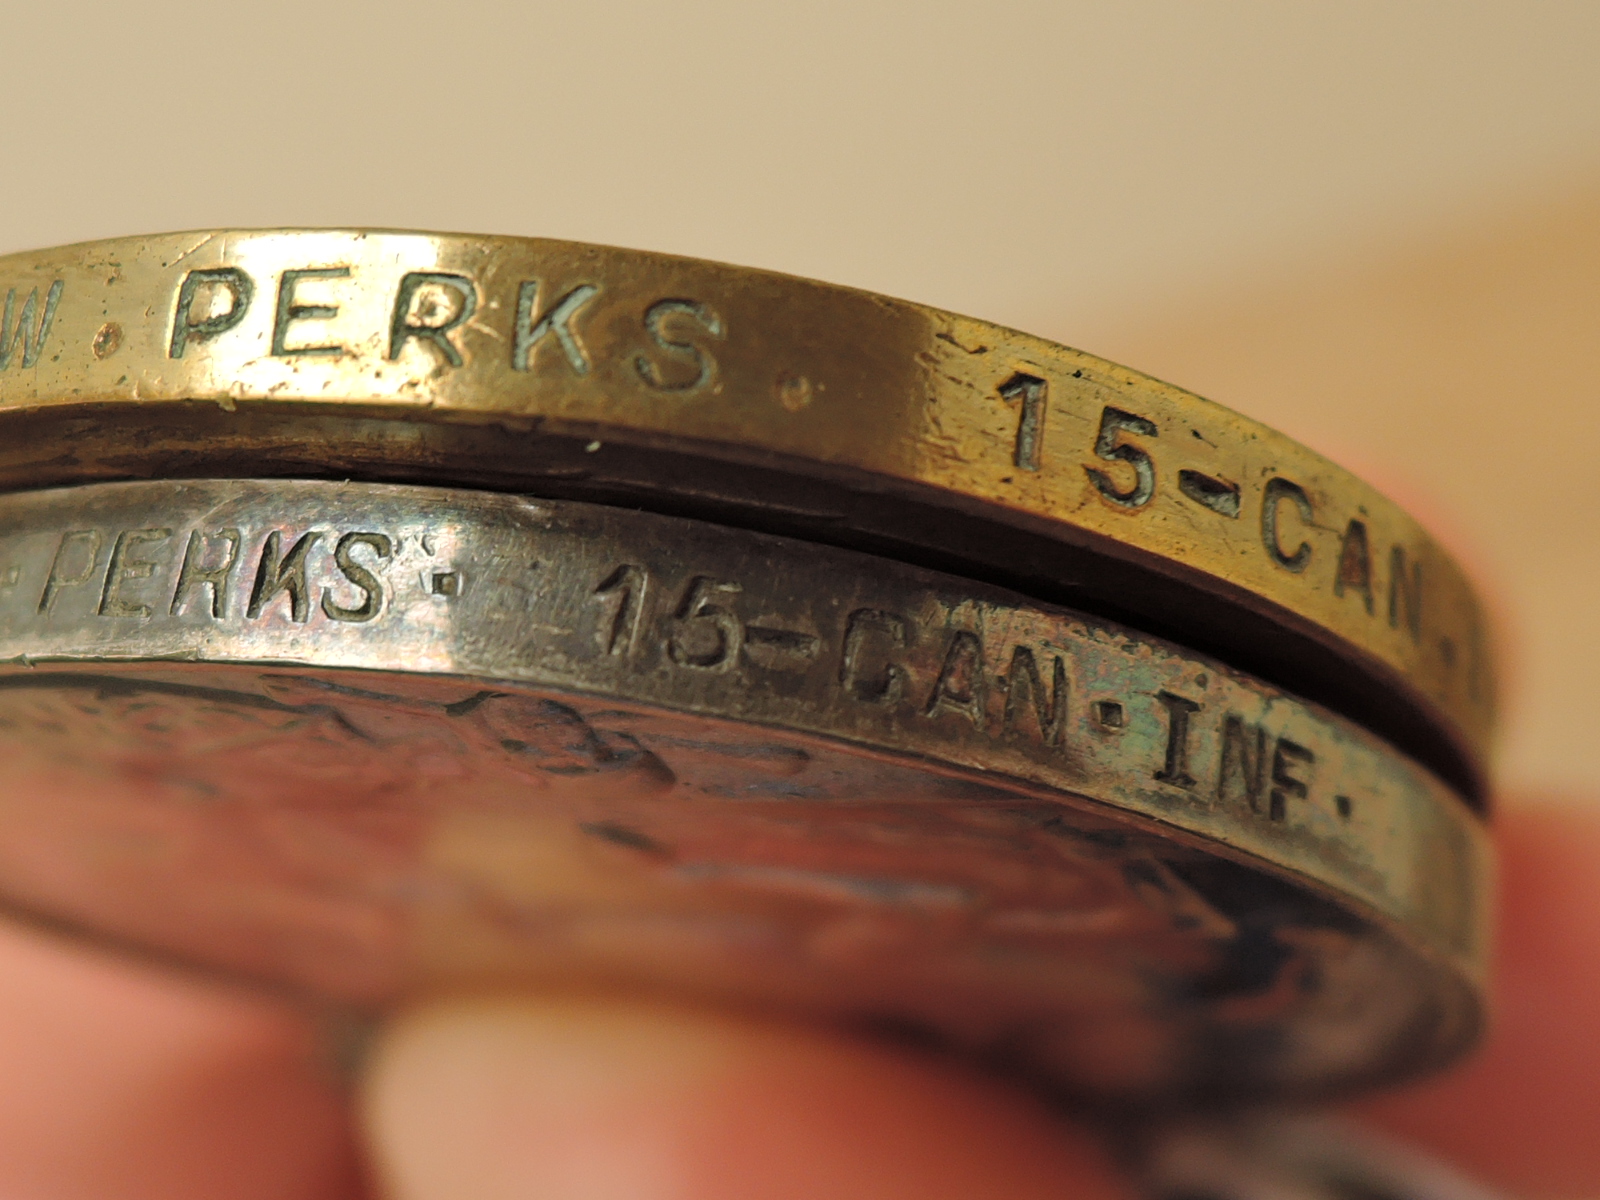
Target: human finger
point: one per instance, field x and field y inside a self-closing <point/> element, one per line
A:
<point x="584" y="1099"/>
<point x="1522" y="1114"/>
<point x="121" y="1082"/>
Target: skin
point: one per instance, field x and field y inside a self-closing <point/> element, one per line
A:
<point x="119" y="1082"/>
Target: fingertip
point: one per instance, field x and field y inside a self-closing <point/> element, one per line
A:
<point x="121" y="1080"/>
<point x="1521" y="1114"/>
<point x="595" y="1099"/>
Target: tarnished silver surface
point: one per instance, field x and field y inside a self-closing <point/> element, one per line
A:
<point x="365" y="740"/>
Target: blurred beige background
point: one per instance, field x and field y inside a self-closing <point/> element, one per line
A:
<point x="1375" y="225"/>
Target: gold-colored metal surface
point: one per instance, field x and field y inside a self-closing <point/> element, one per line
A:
<point x="367" y="739"/>
<point x="757" y="399"/>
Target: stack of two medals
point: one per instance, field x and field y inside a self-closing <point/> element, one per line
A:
<point x="383" y="613"/>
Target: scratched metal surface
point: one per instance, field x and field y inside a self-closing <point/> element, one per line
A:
<point x="361" y="740"/>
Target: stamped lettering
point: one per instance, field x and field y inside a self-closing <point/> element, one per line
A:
<point x="1110" y="446"/>
<point x="1405" y="594"/>
<point x="1249" y="772"/>
<point x="77" y="555"/>
<point x="1031" y="395"/>
<point x="1355" y="564"/>
<point x="994" y="680"/>
<point x="27" y="329"/>
<point x="210" y="303"/>
<point x="533" y="327"/>
<point x="380" y="548"/>
<point x="429" y="306"/>
<point x="1280" y="491"/>
<point x="279" y="572"/>
<point x="962" y="685"/>
<point x="867" y="668"/>
<point x="708" y="636"/>
<point x="626" y="346"/>
<point x="196" y="573"/>
<point x="144" y="573"/>
<point x="1024" y="683"/>
<point x="1287" y="758"/>
<point x="1175" y="763"/>
<point x="1242" y="766"/>
<point x="127" y="564"/>
<point x="1287" y="512"/>
<point x="624" y="592"/>
<point x="291" y="310"/>
<point x="679" y="328"/>
<point x="780" y="648"/>
<point x="1218" y="495"/>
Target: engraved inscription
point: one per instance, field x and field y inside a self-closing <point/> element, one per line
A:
<point x="126" y="564"/>
<point x="624" y="592"/>
<point x="961" y="686"/>
<point x="371" y="588"/>
<point x="768" y="642"/>
<point x="973" y="672"/>
<point x="1049" y="708"/>
<point x="77" y="555"/>
<point x="1218" y="495"/>
<point x="27" y="328"/>
<point x="216" y="577"/>
<point x="279" y="572"/>
<point x="1175" y="763"/>
<point x="1287" y="758"/>
<point x="555" y="322"/>
<point x="291" y="310"/>
<point x="210" y="303"/>
<point x="1405" y="594"/>
<point x="1109" y="714"/>
<point x="428" y="307"/>
<point x="679" y="328"/>
<point x="1279" y="492"/>
<point x="1242" y="770"/>
<point x="708" y="636"/>
<point x="1031" y="394"/>
<point x="1110" y="446"/>
<point x="141" y="573"/>
<point x="867" y="669"/>
<point x="1355" y="564"/>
